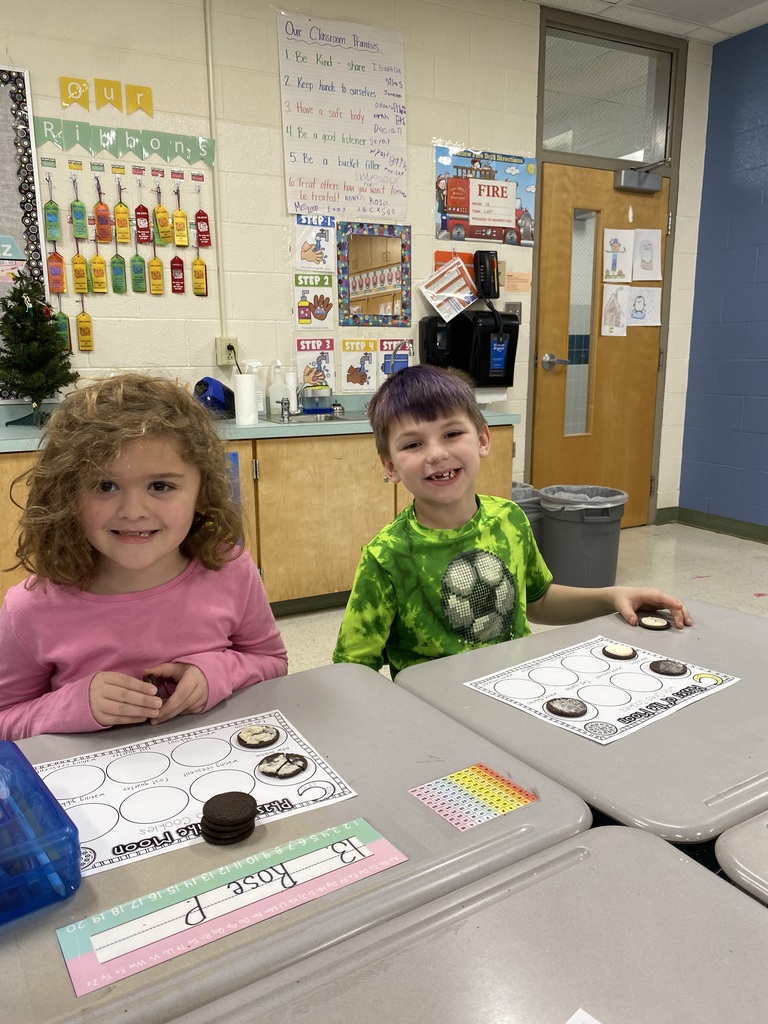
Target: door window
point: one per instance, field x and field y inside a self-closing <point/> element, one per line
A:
<point x="605" y="98"/>
<point x="577" y="381"/>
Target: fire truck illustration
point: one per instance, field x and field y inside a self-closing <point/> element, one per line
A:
<point x="479" y="207"/>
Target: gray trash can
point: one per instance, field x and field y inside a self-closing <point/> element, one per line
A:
<point x="581" y="528"/>
<point x="529" y="500"/>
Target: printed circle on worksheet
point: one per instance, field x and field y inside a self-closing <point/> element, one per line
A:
<point x="74" y="780"/>
<point x="93" y="821"/>
<point x="519" y="687"/>
<point x="591" y="712"/>
<point x="152" y="805"/>
<point x="602" y="730"/>
<point x="226" y="780"/>
<point x="292" y="780"/>
<point x="585" y="663"/>
<point x="197" y="753"/>
<point x="604" y="695"/>
<point x="551" y="675"/>
<point x="637" y="682"/>
<point x="139" y="767"/>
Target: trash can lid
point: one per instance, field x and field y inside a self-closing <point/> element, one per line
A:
<point x="525" y="490"/>
<point x="527" y="497"/>
<point x="580" y="496"/>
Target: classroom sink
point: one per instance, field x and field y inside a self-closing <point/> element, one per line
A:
<point x="302" y="419"/>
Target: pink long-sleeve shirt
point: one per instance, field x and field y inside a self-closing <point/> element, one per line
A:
<point x="54" y="639"/>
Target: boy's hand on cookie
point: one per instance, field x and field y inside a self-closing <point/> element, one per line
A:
<point x="190" y="694"/>
<point x="628" y="601"/>
<point x="118" y="699"/>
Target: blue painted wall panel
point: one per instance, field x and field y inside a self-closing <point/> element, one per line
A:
<point x="713" y="411"/>
<point x="725" y="455"/>
<point x="756" y="415"/>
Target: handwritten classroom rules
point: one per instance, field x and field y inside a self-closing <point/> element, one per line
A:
<point x="343" y="104"/>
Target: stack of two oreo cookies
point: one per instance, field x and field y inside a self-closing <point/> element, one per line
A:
<point x="228" y="818"/>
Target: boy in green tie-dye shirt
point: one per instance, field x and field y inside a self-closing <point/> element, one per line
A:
<point x="455" y="570"/>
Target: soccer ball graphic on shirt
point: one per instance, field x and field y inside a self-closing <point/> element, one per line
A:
<point x="477" y="597"/>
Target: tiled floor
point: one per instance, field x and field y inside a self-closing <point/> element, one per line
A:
<point x="689" y="563"/>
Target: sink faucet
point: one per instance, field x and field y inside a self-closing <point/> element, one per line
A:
<point x="285" y="410"/>
<point x="395" y="350"/>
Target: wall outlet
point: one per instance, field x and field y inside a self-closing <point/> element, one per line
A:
<point x="226" y="351"/>
<point x="516" y="309"/>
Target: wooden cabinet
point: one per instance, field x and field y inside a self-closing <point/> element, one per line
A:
<point x="12" y="464"/>
<point x="384" y="252"/>
<point x="374" y="268"/>
<point x="241" y="455"/>
<point x="318" y="501"/>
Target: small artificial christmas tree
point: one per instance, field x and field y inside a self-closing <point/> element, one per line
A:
<point x="34" y="361"/>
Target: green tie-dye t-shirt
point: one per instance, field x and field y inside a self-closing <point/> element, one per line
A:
<point x="420" y="593"/>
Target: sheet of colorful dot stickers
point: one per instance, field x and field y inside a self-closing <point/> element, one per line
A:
<point x="472" y="795"/>
<point x="143" y="799"/>
<point x="601" y="689"/>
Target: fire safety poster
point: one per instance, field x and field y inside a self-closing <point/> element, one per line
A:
<point x="484" y="196"/>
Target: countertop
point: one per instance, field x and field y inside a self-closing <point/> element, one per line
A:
<point x="27" y="438"/>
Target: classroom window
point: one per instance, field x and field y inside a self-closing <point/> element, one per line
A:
<point x="605" y="98"/>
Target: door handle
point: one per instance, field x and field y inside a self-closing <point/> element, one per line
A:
<point x="549" y="361"/>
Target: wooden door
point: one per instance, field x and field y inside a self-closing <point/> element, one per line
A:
<point x="593" y="420"/>
<point x="318" y="501"/>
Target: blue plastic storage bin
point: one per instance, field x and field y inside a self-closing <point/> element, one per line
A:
<point x="39" y="844"/>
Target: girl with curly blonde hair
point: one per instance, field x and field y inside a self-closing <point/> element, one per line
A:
<point x="141" y="604"/>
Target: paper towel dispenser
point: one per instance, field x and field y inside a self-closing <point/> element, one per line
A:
<point x="483" y="344"/>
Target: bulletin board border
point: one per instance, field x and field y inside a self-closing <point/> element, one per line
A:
<point x="20" y="150"/>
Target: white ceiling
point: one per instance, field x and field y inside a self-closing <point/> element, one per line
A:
<point x="709" y="21"/>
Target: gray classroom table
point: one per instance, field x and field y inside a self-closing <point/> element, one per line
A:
<point x="685" y="777"/>
<point x="742" y="853"/>
<point x="614" y="922"/>
<point x="382" y="741"/>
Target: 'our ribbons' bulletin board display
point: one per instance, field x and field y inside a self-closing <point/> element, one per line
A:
<point x="123" y="233"/>
<point x="343" y="104"/>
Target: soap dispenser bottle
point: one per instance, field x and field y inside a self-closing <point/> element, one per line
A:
<point x="278" y="389"/>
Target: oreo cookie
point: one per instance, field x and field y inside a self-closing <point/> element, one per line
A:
<point x="256" y="737"/>
<point x="221" y="837"/>
<point x="566" y="707"/>
<point x="653" y="622"/>
<point x="228" y="818"/>
<point x="619" y="652"/>
<point x="282" y="765"/>
<point x="667" y="667"/>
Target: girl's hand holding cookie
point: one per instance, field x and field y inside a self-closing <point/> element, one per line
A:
<point x="190" y="695"/>
<point x="118" y="699"/>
